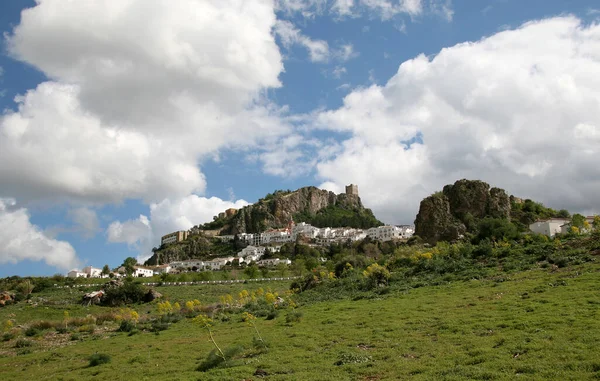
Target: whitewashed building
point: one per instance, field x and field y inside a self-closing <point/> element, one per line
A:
<point x="93" y="272"/>
<point x="142" y="272"/>
<point x="386" y="233"/>
<point x="273" y="262"/>
<point x="162" y="269"/>
<point x="304" y="229"/>
<point x="549" y="227"/>
<point x="76" y="274"/>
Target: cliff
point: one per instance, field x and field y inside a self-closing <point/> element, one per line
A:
<point x="308" y="204"/>
<point x="446" y="215"/>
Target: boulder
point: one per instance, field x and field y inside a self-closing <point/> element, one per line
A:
<point x="6" y="298"/>
<point x="152" y="295"/>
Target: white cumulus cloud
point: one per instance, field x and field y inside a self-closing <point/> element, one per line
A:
<point x="138" y="94"/>
<point x="518" y="109"/>
<point x="290" y="35"/>
<point x="21" y="240"/>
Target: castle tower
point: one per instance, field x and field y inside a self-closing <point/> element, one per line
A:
<point x="352" y="189"/>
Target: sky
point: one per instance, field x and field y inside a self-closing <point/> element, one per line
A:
<point x="126" y="120"/>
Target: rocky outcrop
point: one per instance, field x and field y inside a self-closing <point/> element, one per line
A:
<point x="446" y="215"/>
<point x="6" y="298"/>
<point x="278" y="210"/>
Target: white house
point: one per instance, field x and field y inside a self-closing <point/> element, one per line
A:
<point x="549" y="227"/>
<point x="272" y="262"/>
<point x="142" y="272"/>
<point x="385" y="233"/>
<point x="76" y="274"/>
<point x="216" y="264"/>
<point x="275" y="235"/>
<point x="162" y="269"/>
<point x="305" y="229"/>
<point x="92" y="272"/>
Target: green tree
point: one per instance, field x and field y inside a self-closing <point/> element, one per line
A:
<point x="578" y="221"/>
<point x="596" y="223"/>
<point x="129" y="264"/>
<point x="251" y="271"/>
<point x="496" y="229"/>
<point x="105" y="270"/>
<point x="563" y="213"/>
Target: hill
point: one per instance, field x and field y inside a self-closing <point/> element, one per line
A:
<point x="460" y="208"/>
<point x="309" y="204"/>
<point x="502" y="315"/>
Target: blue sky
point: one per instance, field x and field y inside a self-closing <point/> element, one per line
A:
<point x="129" y="131"/>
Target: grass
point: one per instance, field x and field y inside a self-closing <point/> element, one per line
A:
<point x="539" y="324"/>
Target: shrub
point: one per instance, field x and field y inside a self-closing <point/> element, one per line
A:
<point x="99" y="359"/>
<point x="215" y="359"/>
<point x="126" y="326"/>
<point x="8" y="336"/>
<point x="293" y="317"/>
<point x="31" y="331"/>
<point x="87" y="328"/>
<point x="43" y="324"/>
<point x="272" y="315"/>
<point x="130" y="292"/>
<point x="23" y="343"/>
<point x="107" y="316"/>
<point x="376" y="275"/>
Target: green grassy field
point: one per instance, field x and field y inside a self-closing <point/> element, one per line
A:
<point x="536" y="325"/>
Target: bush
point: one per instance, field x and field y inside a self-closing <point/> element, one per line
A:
<point x="272" y="315"/>
<point x="99" y="359"/>
<point x="43" y="324"/>
<point x="126" y="326"/>
<point x="8" y="336"/>
<point x="22" y="343"/>
<point x="31" y="331"/>
<point x="377" y="275"/>
<point x="293" y="317"/>
<point x="130" y="292"/>
<point x="214" y="360"/>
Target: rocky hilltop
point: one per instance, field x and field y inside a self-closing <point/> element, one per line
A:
<point x="309" y="204"/>
<point x="446" y="215"/>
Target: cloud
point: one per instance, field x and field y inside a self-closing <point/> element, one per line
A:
<point x="85" y="221"/>
<point x="346" y="52"/>
<point x="290" y="35"/>
<point x="389" y="8"/>
<point x="517" y="109"/>
<point x="339" y="71"/>
<point x="384" y="9"/>
<point x="21" y="240"/>
<point x="167" y="216"/>
<point x="343" y="8"/>
<point x="138" y="94"/>
<point x="131" y="232"/>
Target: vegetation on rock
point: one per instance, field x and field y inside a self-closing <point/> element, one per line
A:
<point x="470" y="208"/>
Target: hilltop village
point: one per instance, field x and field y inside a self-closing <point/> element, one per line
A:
<point x="261" y="248"/>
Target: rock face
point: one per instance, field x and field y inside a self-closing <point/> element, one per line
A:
<point x="448" y="214"/>
<point x="278" y="210"/>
